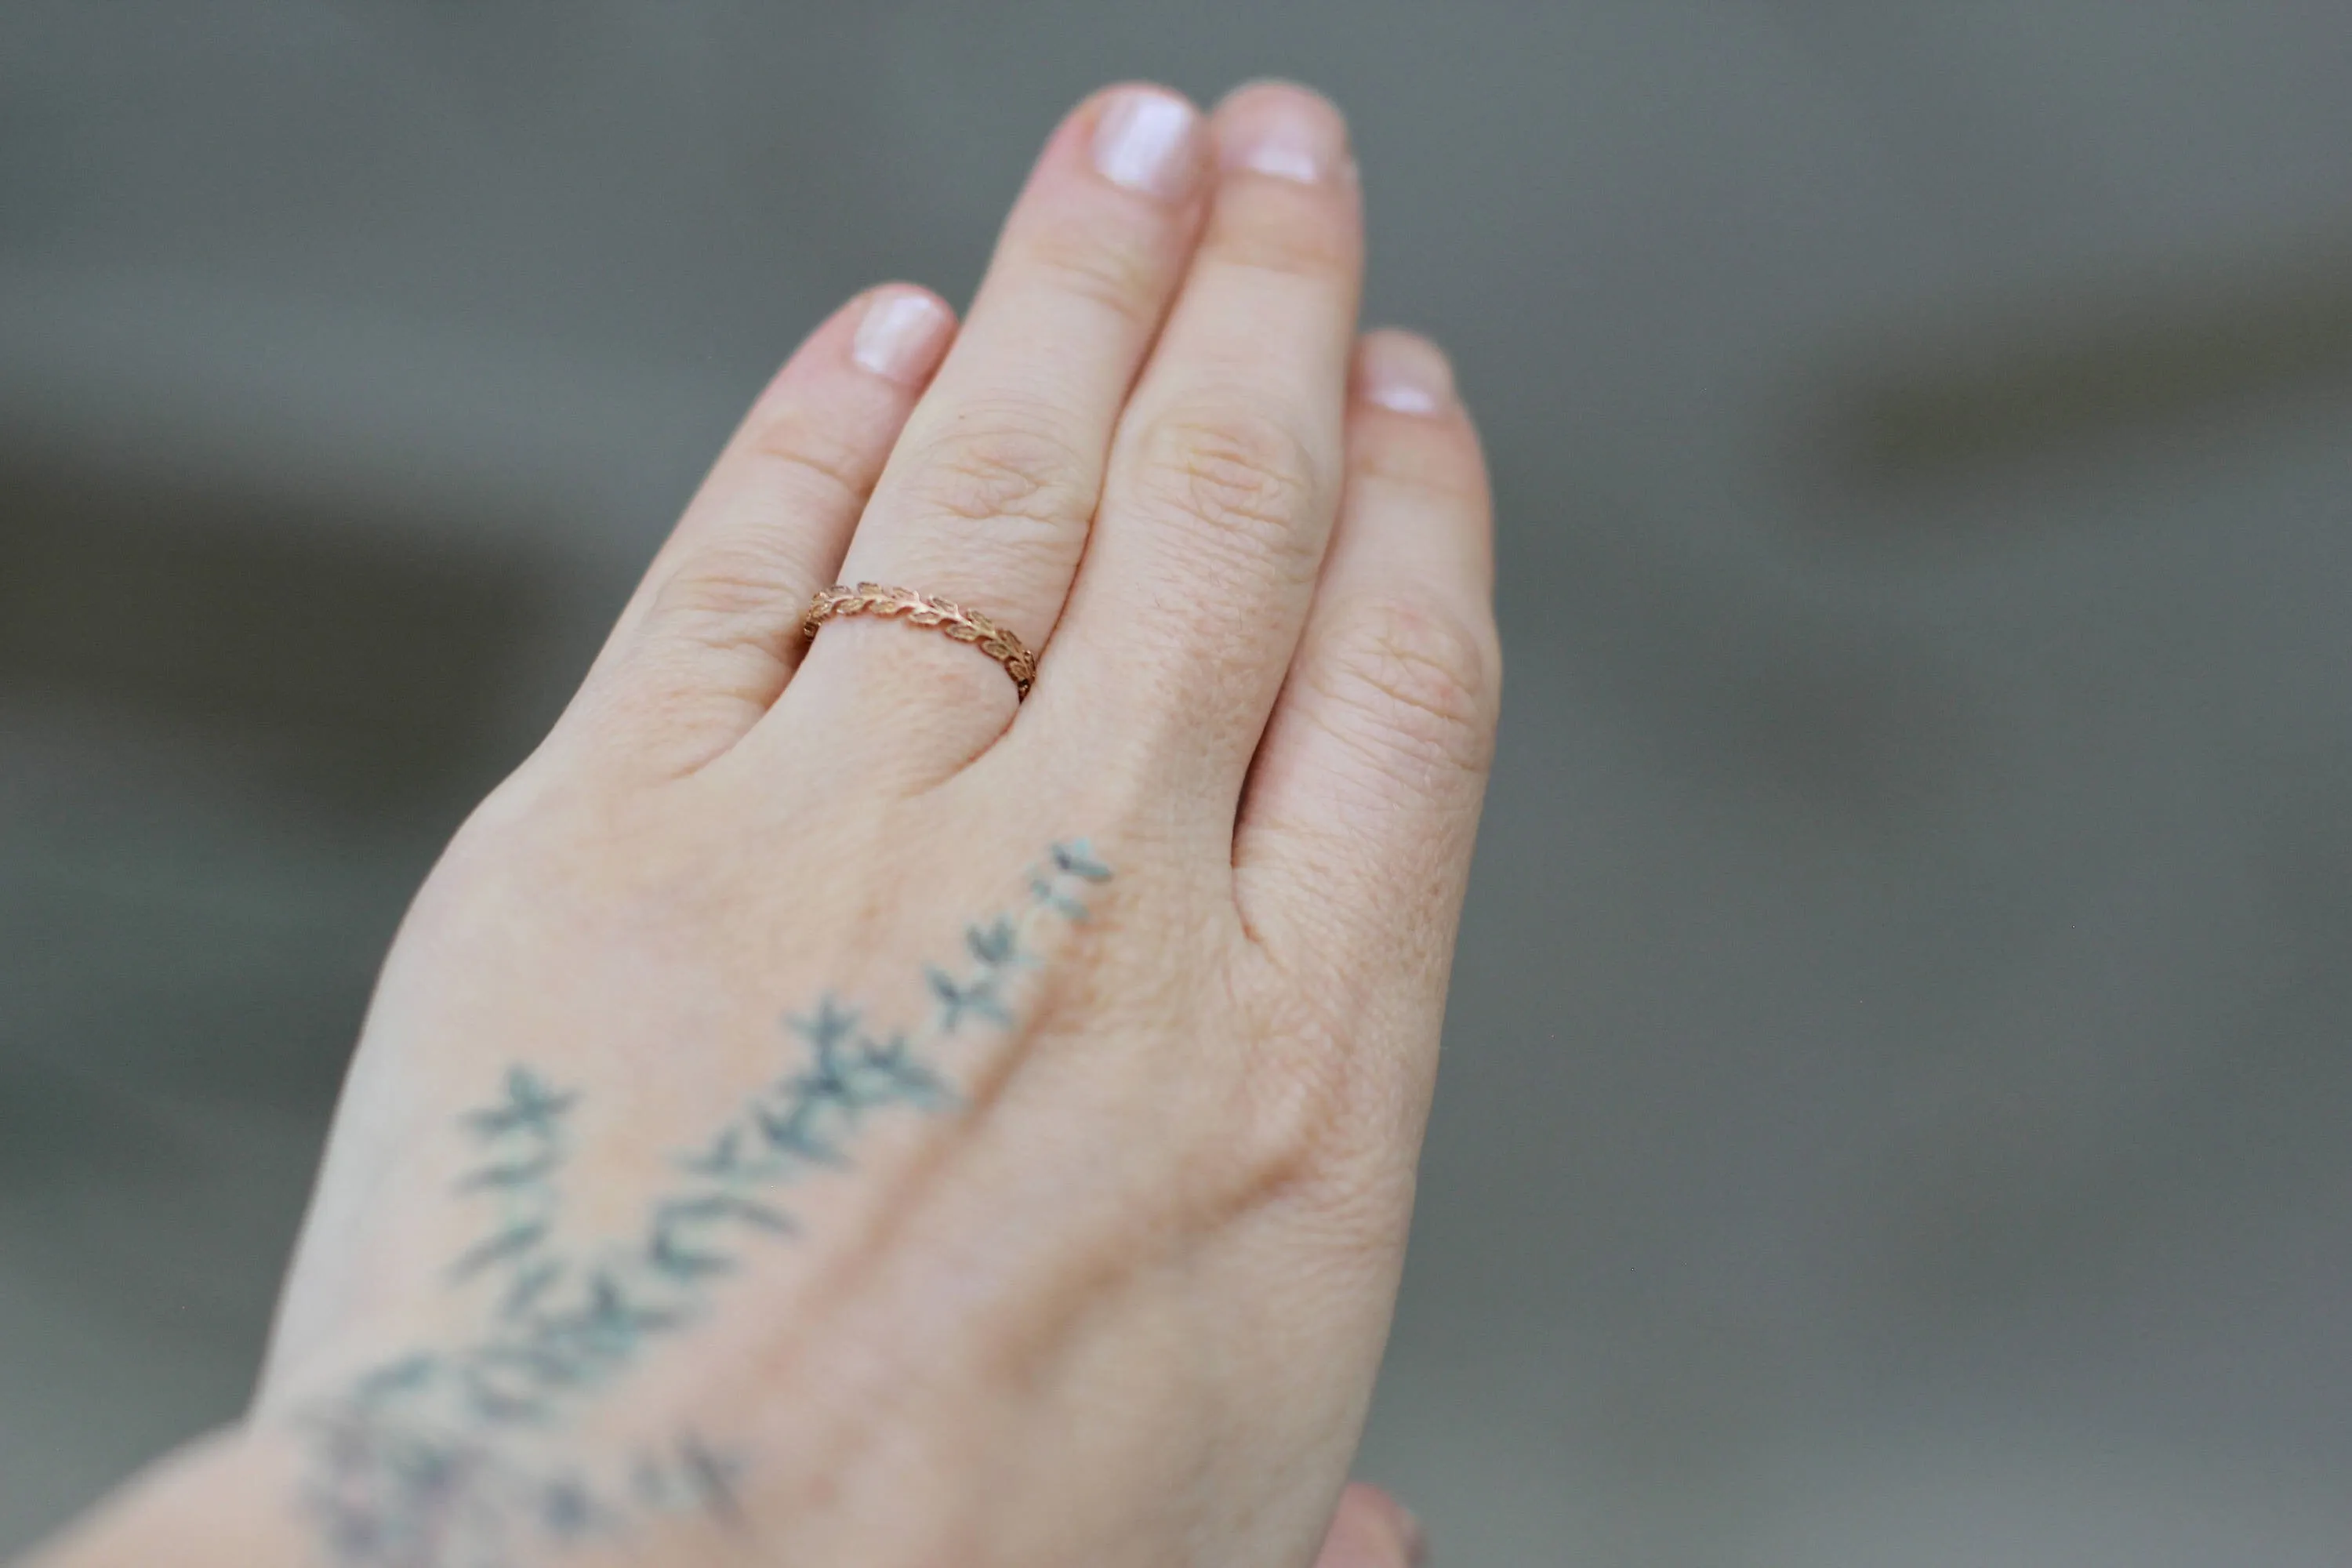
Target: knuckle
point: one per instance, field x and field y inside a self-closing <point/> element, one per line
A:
<point x="728" y="592"/>
<point x="1315" y="1118"/>
<point x="1006" y="464"/>
<point x="1120" y="277"/>
<point x="1289" y="233"/>
<point x="804" y="447"/>
<point x="1246" y="476"/>
<point x="1406" y="682"/>
<point x="1435" y="464"/>
<point x="1301" y="1112"/>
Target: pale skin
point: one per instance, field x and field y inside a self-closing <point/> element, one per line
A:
<point x="822" y="1109"/>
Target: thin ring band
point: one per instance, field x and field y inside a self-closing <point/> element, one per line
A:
<point x="924" y="610"/>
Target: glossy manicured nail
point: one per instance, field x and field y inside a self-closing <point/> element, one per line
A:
<point x="1148" y="142"/>
<point x="900" y="335"/>
<point x="1285" y="131"/>
<point x="1405" y="373"/>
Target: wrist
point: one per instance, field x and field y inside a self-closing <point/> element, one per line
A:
<point x="217" y="1502"/>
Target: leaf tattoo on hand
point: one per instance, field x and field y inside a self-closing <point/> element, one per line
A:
<point x="454" y="1457"/>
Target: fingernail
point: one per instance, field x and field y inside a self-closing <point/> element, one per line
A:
<point x="1146" y="141"/>
<point x="1405" y="373"/>
<point x="1284" y="132"/>
<point x="900" y="334"/>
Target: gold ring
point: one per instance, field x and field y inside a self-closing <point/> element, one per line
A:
<point x="923" y="610"/>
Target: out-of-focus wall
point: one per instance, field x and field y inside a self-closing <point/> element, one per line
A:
<point x="1898" y="1085"/>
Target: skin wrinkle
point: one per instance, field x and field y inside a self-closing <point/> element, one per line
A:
<point x="1308" y="1033"/>
<point x="1457" y="703"/>
<point x="1425" y="945"/>
<point x="1422" y="469"/>
<point x="1300" y="940"/>
<point x="1284" y="232"/>
<point x="1384" y="766"/>
<point x="1243" y="475"/>
<point x="999" y="469"/>
<point x="1390" y="659"/>
<point x="795" y="444"/>
<point x="725" y="603"/>
<point x="1120" y="279"/>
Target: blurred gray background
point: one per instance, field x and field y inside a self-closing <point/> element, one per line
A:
<point x="1899" y="1105"/>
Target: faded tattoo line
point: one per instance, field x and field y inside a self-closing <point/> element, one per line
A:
<point x="453" y="1457"/>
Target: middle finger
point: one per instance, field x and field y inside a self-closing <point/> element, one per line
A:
<point x="988" y="497"/>
<point x="1225" y="473"/>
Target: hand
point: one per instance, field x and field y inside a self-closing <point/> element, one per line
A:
<point x="824" y="1109"/>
